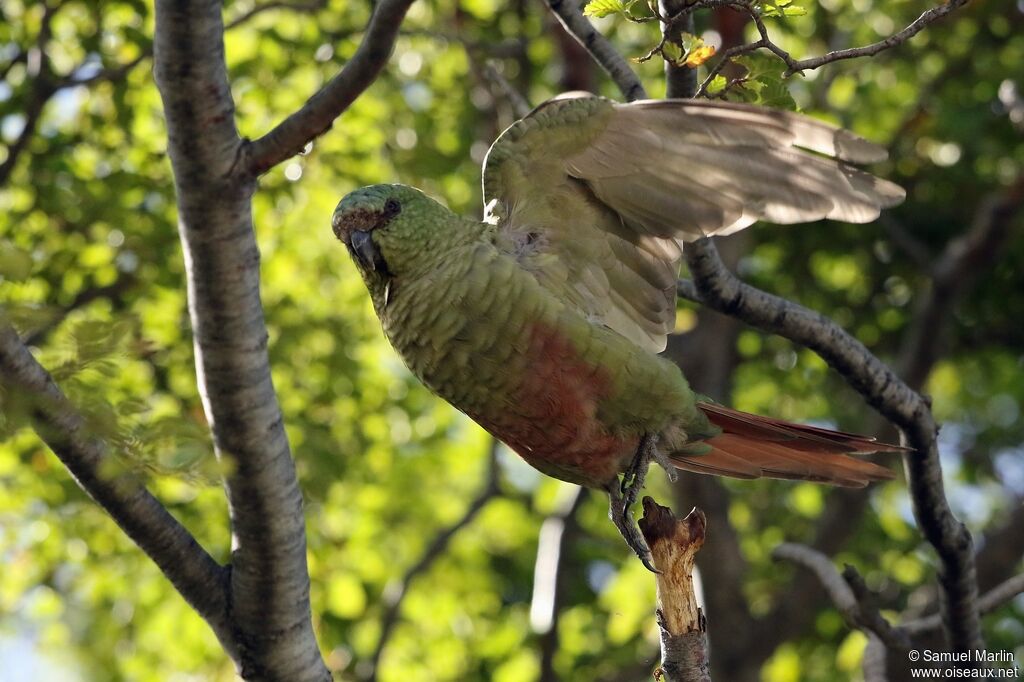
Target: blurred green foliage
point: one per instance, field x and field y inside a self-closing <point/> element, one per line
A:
<point x="91" y="272"/>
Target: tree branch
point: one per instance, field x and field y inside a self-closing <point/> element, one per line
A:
<point x="113" y="73"/>
<point x="852" y="599"/>
<point x="256" y="10"/>
<point x="317" y="115"/>
<point x="843" y="591"/>
<point x="558" y="531"/>
<point x="572" y="19"/>
<point x="20" y="57"/>
<point x="717" y="287"/>
<point x="40" y="90"/>
<point x="928" y="17"/>
<point x="987" y="603"/>
<point x="520" y="106"/>
<point x="873" y="663"/>
<point x="192" y="571"/>
<point x="787" y="618"/>
<point x="46" y="85"/>
<point x="269" y="579"/>
<point x="437" y="546"/>
<point x="797" y="65"/>
<point x="37" y="99"/>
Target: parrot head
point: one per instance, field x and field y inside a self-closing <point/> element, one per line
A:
<point x="390" y="230"/>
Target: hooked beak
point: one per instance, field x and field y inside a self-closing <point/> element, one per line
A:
<point x="366" y="252"/>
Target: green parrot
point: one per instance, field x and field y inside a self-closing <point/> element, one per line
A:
<point x="544" y="321"/>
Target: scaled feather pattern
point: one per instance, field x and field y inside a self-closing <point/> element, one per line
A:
<point x="543" y="322"/>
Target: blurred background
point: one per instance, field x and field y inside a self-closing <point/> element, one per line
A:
<point x="435" y="555"/>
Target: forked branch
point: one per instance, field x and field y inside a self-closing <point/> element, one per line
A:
<point x="719" y="289"/>
<point x="317" y="115"/>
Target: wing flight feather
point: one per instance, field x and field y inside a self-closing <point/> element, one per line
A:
<point x="597" y="198"/>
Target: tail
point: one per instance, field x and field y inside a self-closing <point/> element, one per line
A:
<point x="753" y="447"/>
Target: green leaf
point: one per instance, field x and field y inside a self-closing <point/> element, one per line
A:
<point x="776" y="94"/>
<point x="717" y="84"/>
<point x="760" y="66"/>
<point x="764" y="82"/>
<point x="672" y="52"/>
<point x="602" y="8"/>
<point x="744" y="94"/>
<point x="781" y="8"/>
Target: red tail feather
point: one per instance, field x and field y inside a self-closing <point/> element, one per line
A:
<point x="751" y="446"/>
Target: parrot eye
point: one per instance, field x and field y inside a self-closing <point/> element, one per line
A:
<point x="392" y="208"/>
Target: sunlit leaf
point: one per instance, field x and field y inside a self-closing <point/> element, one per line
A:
<point x="603" y="8"/>
<point x="700" y="55"/>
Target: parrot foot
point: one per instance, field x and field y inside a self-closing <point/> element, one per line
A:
<point x="635" y="475"/>
<point x="618" y="512"/>
<point x="623" y="495"/>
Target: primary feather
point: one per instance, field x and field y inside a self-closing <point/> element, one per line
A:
<point x="641" y="179"/>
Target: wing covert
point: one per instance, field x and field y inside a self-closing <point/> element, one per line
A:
<point x="596" y="198"/>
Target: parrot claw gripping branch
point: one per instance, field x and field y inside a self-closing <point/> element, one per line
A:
<point x="622" y="495"/>
<point x="543" y="322"/>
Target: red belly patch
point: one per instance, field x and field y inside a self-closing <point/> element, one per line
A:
<point x="552" y="422"/>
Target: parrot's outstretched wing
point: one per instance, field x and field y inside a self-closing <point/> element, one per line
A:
<point x="596" y="198"/>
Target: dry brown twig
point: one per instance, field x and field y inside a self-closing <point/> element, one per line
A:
<point x="674" y="544"/>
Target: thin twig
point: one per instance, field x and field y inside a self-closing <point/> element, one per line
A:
<point x="856" y="612"/>
<point x="928" y="17"/>
<point x="572" y="19"/>
<point x="18" y="58"/>
<point x="726" y="58"/>
<point x="110" y="74"/>
<point x="520" y="106"/>
<point x="987" y="603"/>
<point x="317" y="115"/>
<point x="46" y="89"/>
<point x="37" y="99"/>
<point x="256" y="10"/>
<point x="434" y="550"/>
<point x="797" y="65"/>
<point x="41" y="89"/>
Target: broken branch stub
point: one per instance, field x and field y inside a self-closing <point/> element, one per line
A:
<point x="674" y="544"/>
